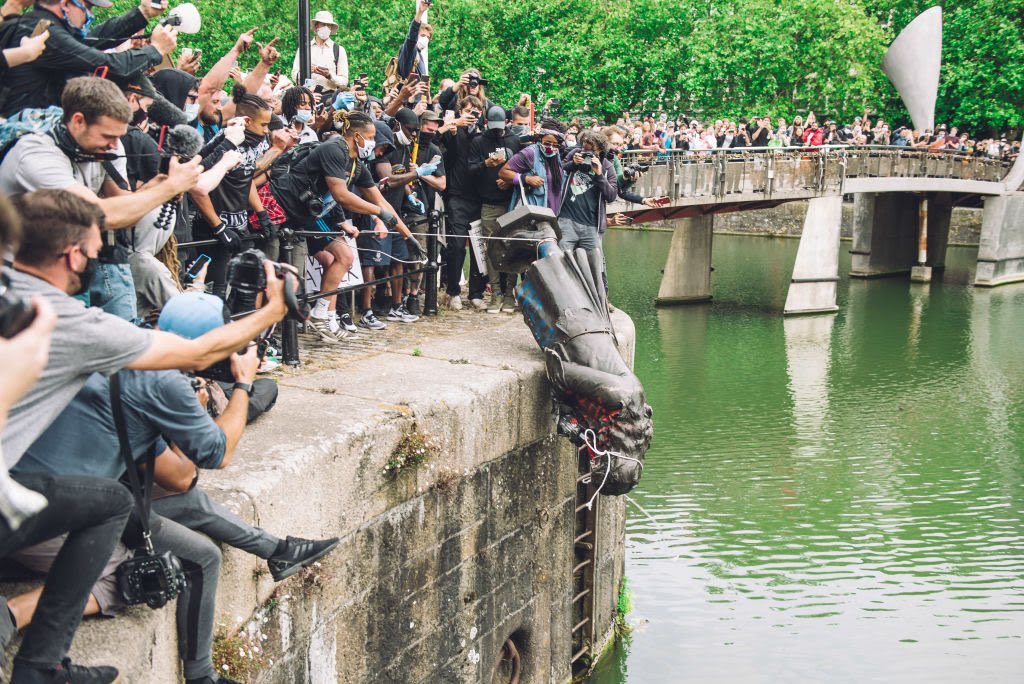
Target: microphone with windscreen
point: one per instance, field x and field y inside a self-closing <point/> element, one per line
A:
<point x="181" y="141"/>
<point x="185" y="17"/>
<point x="163" y="113"/>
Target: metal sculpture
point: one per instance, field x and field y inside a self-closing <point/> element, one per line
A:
<point x="597" y="400"/>
<point x="913" y="62"/>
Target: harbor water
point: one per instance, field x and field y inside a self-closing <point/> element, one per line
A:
<point x="829" y="498"/>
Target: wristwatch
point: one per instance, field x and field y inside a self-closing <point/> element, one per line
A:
<point x="244" y="386"/>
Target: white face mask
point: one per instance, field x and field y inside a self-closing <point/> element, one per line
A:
<point x="402" y="138"/>
<point x="324" y="32"/>
<point x="422" y="43"/>
<point x="366" y="149"/>
<point x="192" y="111"/>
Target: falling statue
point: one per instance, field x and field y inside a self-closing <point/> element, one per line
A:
<point x="598" y="401"/>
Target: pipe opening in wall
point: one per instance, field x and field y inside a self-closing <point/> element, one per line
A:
<point x="508" y="665"/>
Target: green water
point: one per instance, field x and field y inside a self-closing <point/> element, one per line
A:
<point x="832" y="498"/>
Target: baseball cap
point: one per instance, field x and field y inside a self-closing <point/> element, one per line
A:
<point x="495" y="117"/>
<point x="193" y="314"/>
<point x="407" y="117"/>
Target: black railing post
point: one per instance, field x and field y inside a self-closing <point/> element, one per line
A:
<point x="289" y="327"/>
<point x="430" y="291"/>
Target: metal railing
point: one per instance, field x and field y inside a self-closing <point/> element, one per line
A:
<point x="715" y="176"/>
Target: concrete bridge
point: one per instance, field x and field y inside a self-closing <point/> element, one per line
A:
<point x="903" y="199"/>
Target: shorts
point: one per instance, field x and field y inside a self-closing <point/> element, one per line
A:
<point x="373" y="251"/>
<point x="318" y="244"/>
<point x="399" y="251"/>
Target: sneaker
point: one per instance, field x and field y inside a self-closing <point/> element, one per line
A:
<point x="211" y="680"/>
<point x="508" y="304"/>
<point x="268" y="364"/>
<point x="455" y="303"/>
<point x="346" y="322"/>
<point x="369" y="321"/>
<point x="412" y="305"/>
<point x="494" y="306"/>
<point x="398" y="313"/>
<point x="322" y="327"/>
<point x="298" y="554"/>
<point x="65" y="673"/>
<point x="478" y="304"/>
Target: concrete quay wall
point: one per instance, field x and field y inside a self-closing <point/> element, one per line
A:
<point x="439" y="565"/>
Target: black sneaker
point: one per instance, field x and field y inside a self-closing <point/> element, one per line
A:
<point x="65" y="673"/>
<point x="412" y="305"/>
<point x="298" y="554"/>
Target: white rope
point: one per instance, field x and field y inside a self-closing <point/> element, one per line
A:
<point x="590" y="441"/>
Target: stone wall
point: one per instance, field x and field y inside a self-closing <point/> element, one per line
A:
<point x="438" y="565"/>
<point x="787" y="220"/>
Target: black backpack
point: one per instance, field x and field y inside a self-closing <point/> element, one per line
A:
<point x="286" y="163"/>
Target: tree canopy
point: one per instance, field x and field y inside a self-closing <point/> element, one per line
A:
<point x="693" y="57"/>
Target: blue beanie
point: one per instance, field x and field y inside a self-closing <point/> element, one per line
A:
<point x="192" y="314"/>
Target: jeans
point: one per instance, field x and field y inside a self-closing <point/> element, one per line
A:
<point x="197" y="511"/>
<point x="93" y="512"/>
<point x="113" y="290"/>
<point x="461" y="212"/>
<point x="200" y="559"/>
<point x="577" y="235"/>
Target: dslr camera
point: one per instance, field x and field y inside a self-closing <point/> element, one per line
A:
<point x="477" y="81"/>
<point x="246" y="279"/>
<point x="16" y="313"/>
<point x="151" y="578"/>
<point x="633" y="171"/>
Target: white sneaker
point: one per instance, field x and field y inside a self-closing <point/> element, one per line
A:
<point x="398" y="313"/>
<point x="479" y="304"/>
<point x="455" y="303"/>
<point x="322" y="327"/>
<point x="369" y="321"/>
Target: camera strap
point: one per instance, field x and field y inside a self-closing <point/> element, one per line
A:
<point x="141" y="491"/>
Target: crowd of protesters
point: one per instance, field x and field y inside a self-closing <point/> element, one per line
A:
<point x="659" y="133"/>
<point x="120" y="150"/>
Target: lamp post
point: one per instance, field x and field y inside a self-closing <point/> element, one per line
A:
<point x="304" y="62"/>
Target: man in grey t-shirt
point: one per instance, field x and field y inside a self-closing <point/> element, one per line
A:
<point x="55" y="260"/>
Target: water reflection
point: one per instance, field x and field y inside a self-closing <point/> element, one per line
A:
<point x="831" y="498"/>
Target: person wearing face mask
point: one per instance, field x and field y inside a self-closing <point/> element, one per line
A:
<point x="538" y="168"/>
<point x="223" y="211"/>
<point x="84" y="155"/>
<point x="297" y="112"/>
<point x="69" y="54"/>
<point x="412" y="56"/>
<point x="328" y="60"/>
<point x="518" y="127"/>
<point x="487" y="154"/>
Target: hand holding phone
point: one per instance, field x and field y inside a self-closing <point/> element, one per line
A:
<point x="41" y="26"/>
<point x="197" y="267"/>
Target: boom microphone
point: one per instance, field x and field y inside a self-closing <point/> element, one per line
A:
<point x="183" y="142"/>
<point x="163" y="113"/>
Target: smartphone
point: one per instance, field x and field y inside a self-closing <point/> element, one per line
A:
<point x="41" y="26"/>
<point x="628" y="220"/>
<point x="193" y="270"/>
<point x="318" y="89"/>
<point x="449" y="115"/>
<point x="424" y="78"/>
<point x="309" y="83"/>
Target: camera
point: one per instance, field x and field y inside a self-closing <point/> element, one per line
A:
<point x="151" y="579"/>
<point x="634" y="170"/>
<point x="246" y="279"/>
<point x="476" y="81"/>
<point x="314" y="202"/>
<point x="16" y="313"/>
<point x="588" y="158"/>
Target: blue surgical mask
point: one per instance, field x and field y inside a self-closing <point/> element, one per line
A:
<point x="303" y="115"/>
<point x="82" y="30"/>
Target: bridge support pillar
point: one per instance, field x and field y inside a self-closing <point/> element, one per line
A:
<point x="687" y="275"/>
<point x="816" y="271"/>
<point x="1001" y="250"/>
<point x="884" y="234"/>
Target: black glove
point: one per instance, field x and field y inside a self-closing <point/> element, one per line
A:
<point x="389" y="219"/>
<point x="267" y="226"/>
<point x="228" y="238"/>
<point x="415" y="251"/>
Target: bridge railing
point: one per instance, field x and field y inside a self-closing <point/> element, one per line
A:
<point x="749" y="174"/>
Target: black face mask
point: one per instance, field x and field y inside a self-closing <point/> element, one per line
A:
<point x="518" y="129"/>
<point x="86" y="275"/>
<point x="253" y="139"/>
<point x="138" y="116"/>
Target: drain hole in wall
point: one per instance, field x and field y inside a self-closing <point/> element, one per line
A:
<point x="508" y="665"/>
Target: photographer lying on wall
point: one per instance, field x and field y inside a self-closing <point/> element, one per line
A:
<point x="159" y="406"/>
<point x="56" y="259"/>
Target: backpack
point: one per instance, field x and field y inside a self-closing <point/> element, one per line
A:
<point x="391" y="76"/>
<point x="286" y="163"/>
<point x="27" y="121"/>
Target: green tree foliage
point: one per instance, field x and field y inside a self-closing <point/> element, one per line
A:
<point x="696" y="57"/>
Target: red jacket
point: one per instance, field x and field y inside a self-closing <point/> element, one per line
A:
<point x="814" y="137"/>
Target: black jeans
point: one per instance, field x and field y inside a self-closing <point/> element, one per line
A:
<point x="461" y="212"/>
<point x="93" y="512"/>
